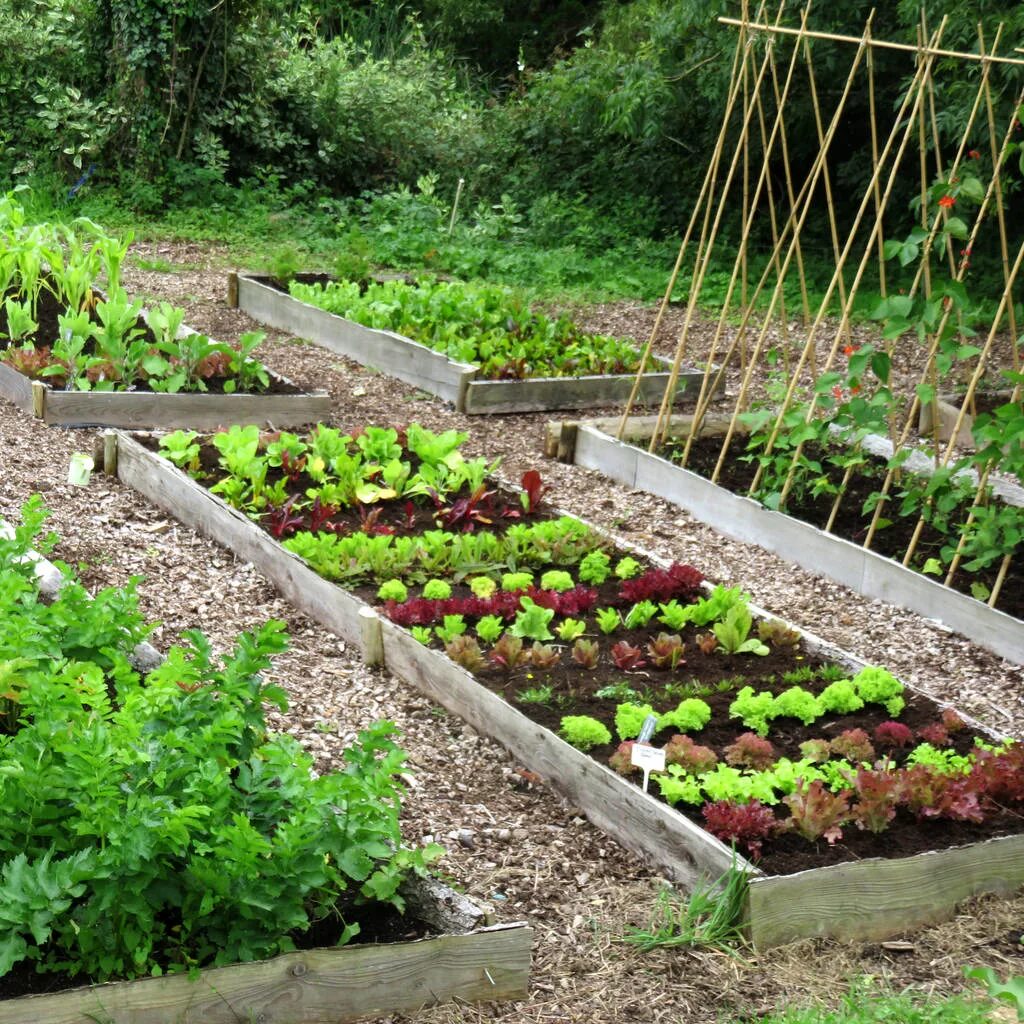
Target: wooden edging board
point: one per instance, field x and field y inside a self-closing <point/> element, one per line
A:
<point x="747" y="520"/>
<point x="915" y="891"/>
<point x="146" y="410"/>
<point x="474" y="963"/>
<point x="432" y="371"/>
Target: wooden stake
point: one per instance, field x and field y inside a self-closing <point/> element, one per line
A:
<point x="38" y="399"/>
<point x="371" y="637"/>
<point x="110" y="452"/>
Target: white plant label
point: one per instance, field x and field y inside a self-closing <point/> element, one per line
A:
<point x="650" y="759"/>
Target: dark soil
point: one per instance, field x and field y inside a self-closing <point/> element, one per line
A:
<point x="48" y="330"/>
<point x="378" y="923"/>
<point x="852" y="523"/>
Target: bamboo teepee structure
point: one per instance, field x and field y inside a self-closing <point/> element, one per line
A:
<point x="959" y="194"/>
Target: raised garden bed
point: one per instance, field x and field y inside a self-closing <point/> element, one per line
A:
<point x="593" y="445"/>
<point x="463" y="959"/>
<point x="75" y="354"/>
<point x="148" y="410"/>
<point x="286" y="838"/>
<point x="870" y="897"/>
<point x="434" y="372"/>
<point x="282" y="403"/>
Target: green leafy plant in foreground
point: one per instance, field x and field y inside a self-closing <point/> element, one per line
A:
<point x="188" y="835"/>
<point x="156" y="825"/>
<point x="1010" y="991"/>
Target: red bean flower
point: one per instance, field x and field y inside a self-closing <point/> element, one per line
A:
<point x="947" y="201"/>
<point x="974" y="154"/>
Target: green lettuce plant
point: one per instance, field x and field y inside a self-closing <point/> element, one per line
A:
<point x="584" y="732"/>
<point x="532" y="621"/>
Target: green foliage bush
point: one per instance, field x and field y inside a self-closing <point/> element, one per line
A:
<point x="157" y="825"/>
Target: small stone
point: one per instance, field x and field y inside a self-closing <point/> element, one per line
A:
<point x="466" y="838"/>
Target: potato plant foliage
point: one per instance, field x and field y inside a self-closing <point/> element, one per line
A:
<point x="154" y="825"/>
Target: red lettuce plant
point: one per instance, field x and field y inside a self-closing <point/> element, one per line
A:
<point x="421" y="611"/>
<point x="817" y="813"/>
<point x="751" y="750"/>
<point x="621" y="760"/>
<point x="690" y="756"/>
<point x="666" y="651"/>
<point x="544" y="656"/>
<point x="677" y="580"/>
<point x="747" y="824"/>
<point x="952" y="721"/>
<point x="878" y="793"/>
<point x="708" y="643"/>
<point x="936" y="734"/>
<point x="573" y="602"/>
<point x="465" y="651"/>
<point x="627" y="657"/>
<point x="1002" y="774"/>
<point x="585" y="653"/>
<point x="929" y="793"/>
<point x="508" y="653"/>
<point x="854" y="744"/>
<point x="893" y="734"/>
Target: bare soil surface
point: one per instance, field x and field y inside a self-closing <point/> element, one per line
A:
<point x="511" y="842"/>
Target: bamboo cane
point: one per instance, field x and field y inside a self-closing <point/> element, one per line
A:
<point x="1000" y="213"/>
<point x="916" y="92"/>
<point x="800" y="218"/>
<point x="873" y="116"/>
<point x="703" y="259"/>
<point x="709" y="176"/>
<point x="929" y="376"/>
<point x="707" y="391"/>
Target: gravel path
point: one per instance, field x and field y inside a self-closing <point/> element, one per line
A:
<point x="510" y="841"/>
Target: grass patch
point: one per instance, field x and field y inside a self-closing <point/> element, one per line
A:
<point x="865" y="1004"/>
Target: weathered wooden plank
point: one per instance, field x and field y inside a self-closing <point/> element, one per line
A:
<point x="183" y="498"/>
<point x="541" y="393"/>
<point x="320" y="986"/>
<point x="744" y="519"/>
<point x="871" y="899"/>
<point x="634" y="818"/>
<point x="143" y="410"/>
<point x="16" y="388"/>
<point x="385" y="351"/>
